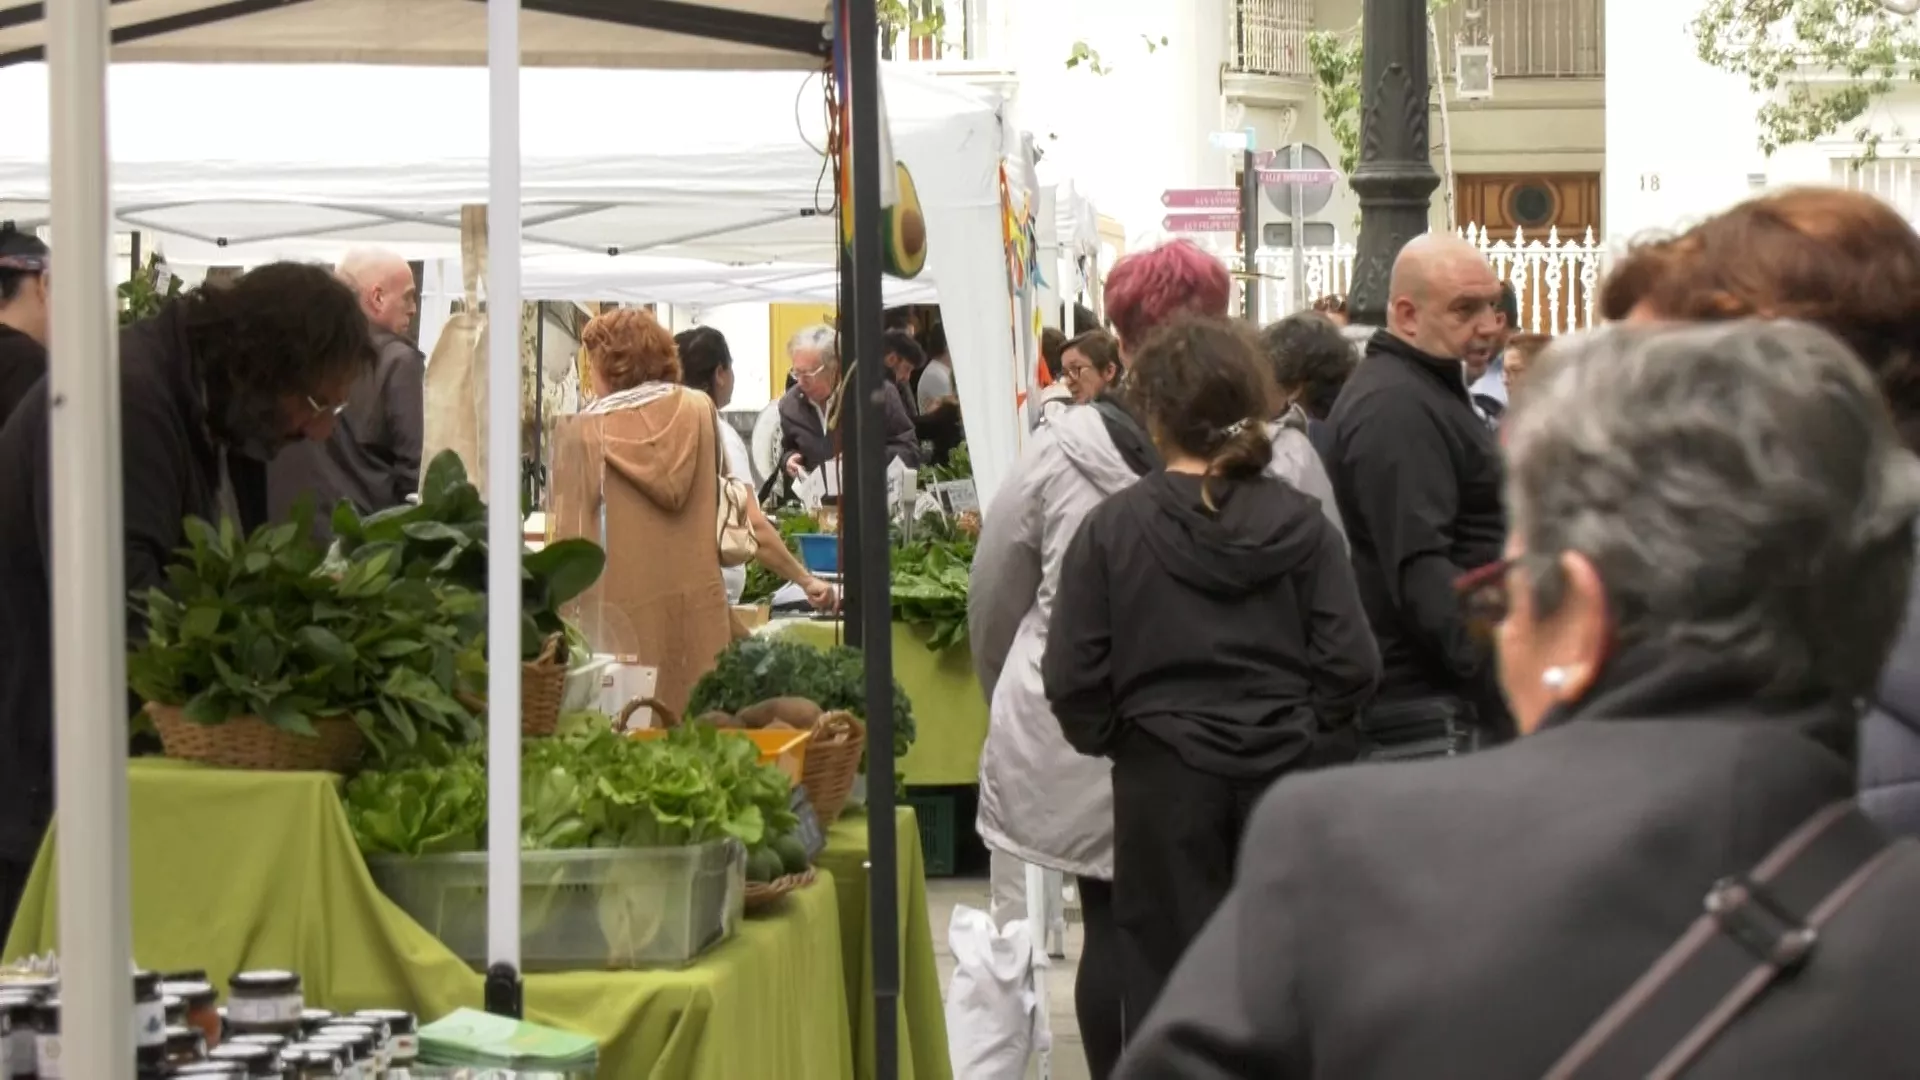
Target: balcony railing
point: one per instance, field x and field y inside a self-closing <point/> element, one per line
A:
<point x="916" y="30"/>
<point x="1531" y="39"/>
<point x="1270" y="37"/>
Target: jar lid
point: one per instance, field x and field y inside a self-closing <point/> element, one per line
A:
<point x="360" y="1034"/>
<point x="174" y="1006"/>
<point x="398" y="1021"/>
<point x="265" y="1038"/>
<point x="146" y="985"/>
<point x="339" y="1054"/>
<point x="210" y="1068"/>
<point x="265" y="982"/>
<point x="316" y="1017"/>
<point x="195" y="975"/>
<point x="181" y="1037"/>
<point x="356" y="1046"/>
<point x="247" y="1052"/>
<point x="198" y="994"/>
<point x="46" y="1013"/>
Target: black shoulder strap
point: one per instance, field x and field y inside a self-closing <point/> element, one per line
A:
<point x="1758" y="927"/>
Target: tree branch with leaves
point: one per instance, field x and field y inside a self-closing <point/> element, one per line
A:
<point x="1792" y="50"/>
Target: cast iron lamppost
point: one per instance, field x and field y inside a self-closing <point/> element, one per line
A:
<point x="1395" y="176"/>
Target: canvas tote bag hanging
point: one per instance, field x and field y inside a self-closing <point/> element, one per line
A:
<point x="456" y="385"/>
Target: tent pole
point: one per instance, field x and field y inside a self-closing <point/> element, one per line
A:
<point x="853" y="436"/>
<point x="863" y="67"/>
<point x="88" y="572"/>
<point x="503" y="507"/>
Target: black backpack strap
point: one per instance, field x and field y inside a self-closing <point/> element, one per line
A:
<point x="1757" y="927"/>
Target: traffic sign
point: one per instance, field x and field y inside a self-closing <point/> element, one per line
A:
<point x="1299" y="176"/>
<point x="1201" y="223"/>
<point x="1219" y="198"/>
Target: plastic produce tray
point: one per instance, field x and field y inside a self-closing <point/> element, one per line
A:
<point x="589" y="909"/>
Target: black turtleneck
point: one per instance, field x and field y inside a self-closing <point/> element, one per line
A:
<point x="1417" y="475"/>
<point x="23" y="363"/>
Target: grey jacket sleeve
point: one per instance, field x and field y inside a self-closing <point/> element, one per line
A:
<point x="903" y="442"/>
<point x="1007" y="571"/>
<point x="1232" y="1008"/>
<point x="404" y="402"/>
<point x="1298" y="463"/>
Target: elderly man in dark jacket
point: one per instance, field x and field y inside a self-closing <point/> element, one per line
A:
<point x="1417" y="475"/>
<point x="372" y="459"/>
<point x="807" y="411"/>
<point x="211" y="389"/>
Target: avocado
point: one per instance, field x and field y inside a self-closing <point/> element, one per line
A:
<point x="903" y="229"/>
<point x="764" y="865"/>
<point x="793" y="854"/>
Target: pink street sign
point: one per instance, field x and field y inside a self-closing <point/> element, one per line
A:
<point x="1299" y="176"/>
<point x="1201" y="223"/>
<point x="1200" y="198"/>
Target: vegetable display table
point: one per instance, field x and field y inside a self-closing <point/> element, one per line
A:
<point x="948" y="707"/>
<point x="239" y="870"/>
<point x="923" y="1020"/>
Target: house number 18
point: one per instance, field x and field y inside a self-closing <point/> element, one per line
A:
<point x="1650" y="181"/>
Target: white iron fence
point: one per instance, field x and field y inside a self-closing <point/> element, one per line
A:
<point x="1531" y="39"/>
<point x="1557" y="280"/>
<point x="1270" y="37"/>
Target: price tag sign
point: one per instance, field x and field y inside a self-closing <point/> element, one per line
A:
<point x="958" y="496"/>
<point x="812" y="837"/>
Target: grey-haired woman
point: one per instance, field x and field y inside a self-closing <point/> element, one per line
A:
<point x="1713" y="536"/>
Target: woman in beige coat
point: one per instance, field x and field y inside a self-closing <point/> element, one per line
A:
<point x="638" y="472"/>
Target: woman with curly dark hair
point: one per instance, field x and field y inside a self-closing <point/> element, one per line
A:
<point x="210" y="389"/>
<point x="1258" y="660"/>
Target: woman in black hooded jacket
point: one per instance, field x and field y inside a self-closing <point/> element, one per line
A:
<point x="1207" y="637"/>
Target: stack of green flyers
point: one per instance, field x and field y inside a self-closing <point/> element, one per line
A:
<point x="482" y="1040"/>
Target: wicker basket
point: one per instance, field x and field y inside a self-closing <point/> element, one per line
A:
<point x="543" y="690"/>
<point x="246" y="742"/>
<point x="833" y="762"/>
<point x="762" y="895"/>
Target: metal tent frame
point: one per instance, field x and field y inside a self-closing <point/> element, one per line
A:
<point x="88" y="582"/>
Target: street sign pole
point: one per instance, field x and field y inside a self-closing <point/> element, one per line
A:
<point x="1250" y="233"/>
<point x="1296" y="158"/>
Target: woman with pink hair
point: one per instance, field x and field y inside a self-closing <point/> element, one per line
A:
<point x="1040" y="801"/>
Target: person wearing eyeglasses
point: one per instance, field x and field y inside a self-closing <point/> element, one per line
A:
<point x="372" y="459"/>
<point x="810" y="411"/>
<point x="23" y="315"/>
<point x="1713" y="536"/>
<point x="211" y="388"/>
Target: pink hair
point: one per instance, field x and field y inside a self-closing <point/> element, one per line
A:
<point x="1147" y="288"/>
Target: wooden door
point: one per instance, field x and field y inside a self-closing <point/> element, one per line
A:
<point x="1503" y="202"/>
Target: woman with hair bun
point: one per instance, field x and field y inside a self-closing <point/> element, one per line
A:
<point x="1260" y="654"/>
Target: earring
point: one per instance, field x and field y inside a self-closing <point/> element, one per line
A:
<point x="1554" y="678"/>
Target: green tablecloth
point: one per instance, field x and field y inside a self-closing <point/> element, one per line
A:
<point x="948" y="707"/>
<point x="236" y="870"/>
<point x="923" y="1021"/>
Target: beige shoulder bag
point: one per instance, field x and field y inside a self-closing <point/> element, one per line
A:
<point x="734" y="526"/>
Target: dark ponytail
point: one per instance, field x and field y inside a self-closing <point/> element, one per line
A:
<point x="1201" y="385"/>
<point x="703" y="354"/>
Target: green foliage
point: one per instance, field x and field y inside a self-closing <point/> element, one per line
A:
<point x="1776" y="44"/>
<point x="915" y="18"/>
<point x="1084" y="53"/>
<point x="759" y="668"/>
<point x="762" y="583"/>
<point x="930" y="582"/>
<point x="598" y="790"/>
<point x="142" y="297"/>
<point x="1335" y="59"/>
<point x="258" y="626"/>
<point x="444" y="538"/>
<point x="959" y="466"/>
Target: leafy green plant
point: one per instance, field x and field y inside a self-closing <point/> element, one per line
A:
<point x="759" y="668"/>
<point x="259" y="626"/>
<point x="444" y="538"/>
<point x="1335" y="60"/>
<point x="762" y="583"/>
<point x="142" y="296"/>
<point x="598" y="790"/>
<point x="1083" y="53"/>
<point x="1777" y="44"/>
<point x="930" y="582"/>
<point x="959" y="466"/>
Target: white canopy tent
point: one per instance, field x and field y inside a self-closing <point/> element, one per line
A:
<point x="87" y="581"/>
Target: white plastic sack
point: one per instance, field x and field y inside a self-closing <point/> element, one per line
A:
<point x="991" y="1003"/>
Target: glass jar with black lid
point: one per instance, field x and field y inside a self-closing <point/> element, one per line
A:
<point x="264" y="1003"/>
<point x="231" y="1070"/>
<point x="309" y="1062"/>
<point x="403" y="1034"/>
<point x="260" y="1061"/>
<point x="368" y="1045"/>
<point x="312" y="1020"/>
<point x="18" y="1007"/>
<point x="185" y="1044"/>
<point x="359" y="1057"/>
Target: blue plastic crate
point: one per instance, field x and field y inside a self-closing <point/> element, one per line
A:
<point x="820" y="552"/>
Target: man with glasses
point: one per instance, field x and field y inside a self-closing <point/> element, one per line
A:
<point x="211" y="388"/>
<point x="372" y="459"/>
<point x="810" y="412"/>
